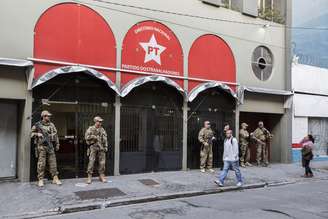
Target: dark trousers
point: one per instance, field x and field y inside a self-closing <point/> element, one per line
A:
<point x="307" y="167"/>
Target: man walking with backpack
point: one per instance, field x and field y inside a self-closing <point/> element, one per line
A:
<point x="230" y="159"/>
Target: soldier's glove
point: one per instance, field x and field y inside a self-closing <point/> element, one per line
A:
<point x="57" y="147"/>
<point x="39" y="135"/>
<point x="105" y="149"/>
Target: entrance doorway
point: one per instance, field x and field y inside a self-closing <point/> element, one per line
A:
<point x="217" y="107"/>
<point x="74" y="100"/>
<point x="151" y="129"/>
<point x="272" y="123"/>
<point x="8" y="138"/>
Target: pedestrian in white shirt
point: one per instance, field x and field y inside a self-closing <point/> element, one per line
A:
<point x="230" y="159"/>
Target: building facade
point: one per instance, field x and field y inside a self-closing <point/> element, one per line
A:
<point x="310" y="109"/>
<point x="154" y="70"/>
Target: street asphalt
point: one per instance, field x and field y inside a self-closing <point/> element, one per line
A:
<point x="308" y="200"/>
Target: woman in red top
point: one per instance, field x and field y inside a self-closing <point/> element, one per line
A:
<point x="307" y="155"/>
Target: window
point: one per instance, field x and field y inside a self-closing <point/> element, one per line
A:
<point x="272" y="10"/>
<point x="262" y="63"/>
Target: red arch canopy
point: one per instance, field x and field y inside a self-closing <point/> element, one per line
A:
<point x="211" y="58"/>
<point x="152" y="47"/>
<point x="71" y="32"/>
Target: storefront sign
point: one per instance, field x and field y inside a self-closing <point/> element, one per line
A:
<point x="151" y="47"/>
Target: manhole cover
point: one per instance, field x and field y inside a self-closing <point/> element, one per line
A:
<point x="99" y="193"/>
<point x="149" y="182"/>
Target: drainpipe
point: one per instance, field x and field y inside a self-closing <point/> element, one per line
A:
<point x="185" y="118"/>
<point x="286" y="124"/>
<point x="117" y="125"/>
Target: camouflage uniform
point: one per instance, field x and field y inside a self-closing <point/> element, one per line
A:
<point x="97" y="139"/>
<point x="205" y="137"/>
<point x="45" y="152"/>
<point x="261" y="136"/>
<point x="244" y="149"/>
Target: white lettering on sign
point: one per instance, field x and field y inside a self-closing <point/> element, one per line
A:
<point x="150" y="69"/>
<point x="151" y="28"/>
<point x="153" y="50"/>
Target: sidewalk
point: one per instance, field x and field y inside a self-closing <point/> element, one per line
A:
<point x="22" y="200"/>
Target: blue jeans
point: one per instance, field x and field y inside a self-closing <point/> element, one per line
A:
<point x="234" y="165"/>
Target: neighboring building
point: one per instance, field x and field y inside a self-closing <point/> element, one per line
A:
<point x="310" y="109"/>
<point x="154" y="77"/>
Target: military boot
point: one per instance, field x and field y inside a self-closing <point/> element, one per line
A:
<point x="56" y="181"/>
<point x="89" y="179"/>
<point x="40" y="183"/>
<point x="102" y="178"/>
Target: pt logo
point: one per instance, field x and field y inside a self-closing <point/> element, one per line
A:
<point x="153" y="50"/>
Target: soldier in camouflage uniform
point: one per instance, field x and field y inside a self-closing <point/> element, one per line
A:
<point x="244" y="149"/>
<point x="205" y="137"/>
<point x="261" y="135"/>
<point x="96" y="138"/>
<point x="44" y="135"/>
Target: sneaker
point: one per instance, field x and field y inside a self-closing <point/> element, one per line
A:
<point x="211" y="170"/>
<point x="265" y="164"/>
<point x="249" y="164"/>
<point x="239" y="184"/>
<point x="218" y="182"/>
<point x="243" y="165"/>
<point x="202" y="170"/>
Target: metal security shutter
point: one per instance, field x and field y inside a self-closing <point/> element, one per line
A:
<point x="262" y="63"/>
<point x="8" y="139"/>
<point x="318" y="127"/>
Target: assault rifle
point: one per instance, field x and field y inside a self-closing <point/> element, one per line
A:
<point x="267" y="134"/>
<point x="46" y="139"/>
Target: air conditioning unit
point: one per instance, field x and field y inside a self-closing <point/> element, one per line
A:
<point x="217" y="3"/>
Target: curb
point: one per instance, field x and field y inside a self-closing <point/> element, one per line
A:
<point x="74" y="208"/>
<point x="129" y="201"/>
<point x="283" y="183"/>
<point x="36" y="214"/>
